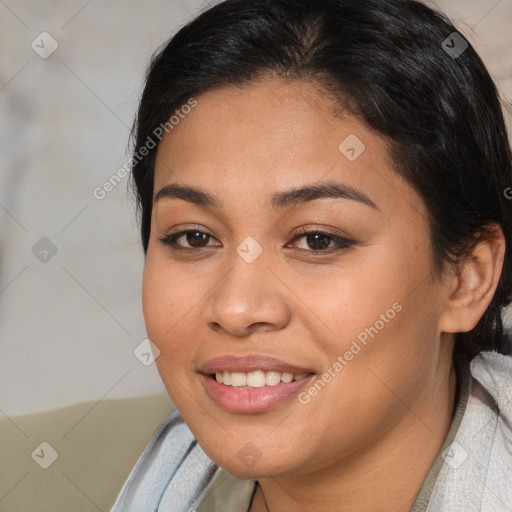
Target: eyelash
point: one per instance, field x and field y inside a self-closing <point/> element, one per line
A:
<point x="343" y="243"/>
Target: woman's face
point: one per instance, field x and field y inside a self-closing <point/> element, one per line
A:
<point x="360" y="312"/>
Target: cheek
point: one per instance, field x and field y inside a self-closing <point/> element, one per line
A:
<point x="167" y="304"/>
<point x="156" y="301"/>
<point x="356" y="297"/>
<point x="383" y="317"/>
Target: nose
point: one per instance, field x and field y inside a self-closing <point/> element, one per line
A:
<point x="247" y="299"/>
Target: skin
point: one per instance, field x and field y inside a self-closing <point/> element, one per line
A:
<point x="353" y="445"/>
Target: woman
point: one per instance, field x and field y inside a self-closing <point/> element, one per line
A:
<point x="322" y="197"/>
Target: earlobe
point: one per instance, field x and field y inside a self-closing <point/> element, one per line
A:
<point x="473" y="286"/>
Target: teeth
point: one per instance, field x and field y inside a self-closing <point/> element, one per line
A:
<point x="238" y="379"/>
<point x="272" y="378"/>
<point x="256" y="379"/>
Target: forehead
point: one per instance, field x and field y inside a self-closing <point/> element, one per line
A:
<point x="249" y="141"/>
<point x="262" y="121"/>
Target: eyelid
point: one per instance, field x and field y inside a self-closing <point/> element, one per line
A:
<point x="317" y="228"/>
<point x="170" y="239"/>
<point x="341" y="242"/>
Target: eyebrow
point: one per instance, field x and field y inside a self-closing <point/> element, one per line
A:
<point x="285" y="199"/>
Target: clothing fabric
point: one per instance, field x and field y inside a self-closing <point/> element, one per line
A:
<point x="472" y="472"/>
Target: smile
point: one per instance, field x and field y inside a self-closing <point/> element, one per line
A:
<point x="256" y="379"/>
<point x="250" y="400"/>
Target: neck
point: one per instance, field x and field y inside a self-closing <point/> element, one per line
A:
<point x="386" y="475"/>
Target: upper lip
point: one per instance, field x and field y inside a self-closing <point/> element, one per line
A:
<point x="251" y="363"/>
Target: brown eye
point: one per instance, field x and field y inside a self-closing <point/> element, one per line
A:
<point x="318" y="241"/>
<point x="321" y="242"/>
<point x="196" y="238"/>
<point x="193" y="239"/>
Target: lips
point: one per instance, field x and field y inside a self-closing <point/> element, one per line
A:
<point x="251" y="363"/>
<point x="256" y="400"/>
<point x="250" y="400"/>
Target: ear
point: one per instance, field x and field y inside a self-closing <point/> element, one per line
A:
<point x="472" y="285"/>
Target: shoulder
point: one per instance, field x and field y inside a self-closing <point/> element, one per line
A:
<point x="171" y="474"/>
<point x="492" y="388"/>
<point x="477" y="469"/>
<point x="494" y="372"/>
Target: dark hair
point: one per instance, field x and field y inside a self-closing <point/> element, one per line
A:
<point x="388" y="63"/>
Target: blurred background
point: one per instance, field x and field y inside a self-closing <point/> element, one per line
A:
<point x="71" y="264"/>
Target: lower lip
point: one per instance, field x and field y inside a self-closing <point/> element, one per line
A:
<point x="245" y="400"/>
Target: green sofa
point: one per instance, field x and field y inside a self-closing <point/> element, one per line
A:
<point x="88" y="450"/>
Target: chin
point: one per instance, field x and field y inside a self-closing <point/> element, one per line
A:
<point x="250" y="464"/>
<point x="240" y="470"/>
